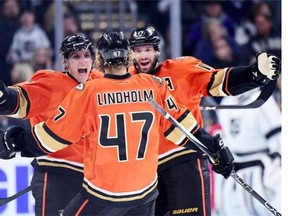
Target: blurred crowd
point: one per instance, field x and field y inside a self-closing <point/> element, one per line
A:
<point x="27" y="37"/>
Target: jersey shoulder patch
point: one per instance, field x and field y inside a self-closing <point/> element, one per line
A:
<point x="158" y="80"/>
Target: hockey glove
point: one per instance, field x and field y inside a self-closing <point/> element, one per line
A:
<point x="225" y="157"/>
<point x="4" y="93"/>
<point x="266" y="68"/>
<point x="7" y="144"/>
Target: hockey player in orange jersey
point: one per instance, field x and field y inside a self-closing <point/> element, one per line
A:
<point x="184" y="177"/>
<point x="58" y="177"/>
<point x="121" y="134"/>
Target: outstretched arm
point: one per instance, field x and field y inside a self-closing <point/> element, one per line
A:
<point x="241" y="79"/>
<point x="47" y="137"/>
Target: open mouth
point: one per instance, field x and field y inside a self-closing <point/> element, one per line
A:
<point x="82" y="71"/>
<point x="144" y="63"/>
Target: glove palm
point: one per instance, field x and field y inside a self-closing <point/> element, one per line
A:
<point x="266" y="68"/>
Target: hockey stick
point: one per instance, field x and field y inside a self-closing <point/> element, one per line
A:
<point x="266" y="92"/>
<point x="4" y="201"/>
<point x="213" y="159"/>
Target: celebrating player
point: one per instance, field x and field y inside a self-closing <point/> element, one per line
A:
<point x="121" y="133"/>
<point x="184" y="180"/>
<point x="58" y="177"/>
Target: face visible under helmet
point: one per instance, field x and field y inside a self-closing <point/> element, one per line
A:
<point x="74" y="43"/>
<point x="145" y="36"/>
<point x="113" y="48"/>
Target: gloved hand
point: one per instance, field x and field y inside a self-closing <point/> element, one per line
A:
<point x="225" y="157"/>
<point x="7" y="143"/>
<point x="266" y="68"/>
<point x="4" y="93"/>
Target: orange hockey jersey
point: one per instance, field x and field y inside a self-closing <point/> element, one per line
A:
<point x="122" y="128"/>
<point x="38" y="99"/>
<point x="189" y="79"/>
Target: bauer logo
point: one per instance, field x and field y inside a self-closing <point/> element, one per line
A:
<point x="15" y="175"/>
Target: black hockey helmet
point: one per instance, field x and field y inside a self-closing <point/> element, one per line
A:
<point x="113" y="47"/>
<point x="76" y="42"/>
<point x="145" y="36"/>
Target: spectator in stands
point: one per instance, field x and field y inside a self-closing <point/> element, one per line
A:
<point x="71" y="25"/>
<point x="21" y="71"/>
<point x="214" y="33"/>
<point x="238" y="10"/>
<point x="9" y="23"/>
<point x="42" y="59"/>
<point x="27" y="39"/>
<point x="211" y="10"/>
<point x="224" y="54"/>
<point x="49" y="22"/>
<point x="266" y="36"/>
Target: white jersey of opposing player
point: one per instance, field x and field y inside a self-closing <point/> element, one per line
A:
<point x="251" y="135"/>
<point x="251" y="130"/>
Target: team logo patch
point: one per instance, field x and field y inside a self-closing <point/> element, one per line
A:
<point x="80" y="87"/>
<point x="158" y="80"/>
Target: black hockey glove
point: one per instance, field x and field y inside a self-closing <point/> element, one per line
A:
<point x="4" y="93"/>
<point x="8" y="146"/>
<point x="266" y="68"/>
<point x="225" y="157"/>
